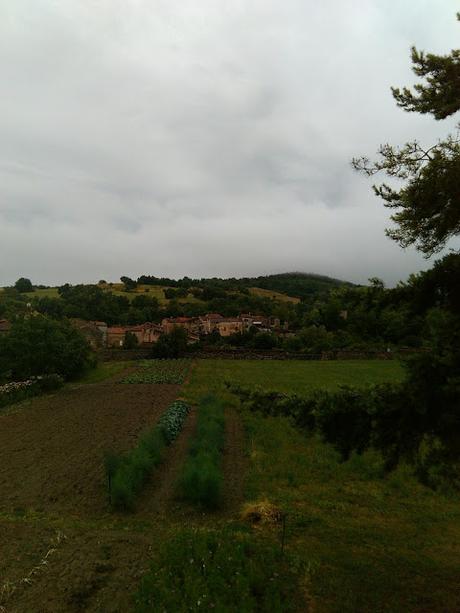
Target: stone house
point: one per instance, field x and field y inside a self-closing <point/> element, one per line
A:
<point x="191" y="324"/>
<point x="229" y="325"/>
<point x="95" y="334"/>
<point x="146" y="334"/>
<point x="209" y="322"/>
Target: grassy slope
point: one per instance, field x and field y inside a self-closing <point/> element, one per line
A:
<point x="157" y="291"/>
<point x="371" y="543"/>
<point x="268" y="293"/>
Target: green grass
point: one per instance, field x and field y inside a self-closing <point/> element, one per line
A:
<point x="49" y="292"/>
<point x="160" y="371"/>
<point x="105" y="370"/>
<point x="227" y="571"/>
<point x="201" y="479"/>
<point x="294" y="376"/>
<point x="371" y="542"/>
<point x="378" y="544"/>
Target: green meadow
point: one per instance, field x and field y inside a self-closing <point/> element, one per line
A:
<point x="291" y="376"/>
<point x="365" y="541"/>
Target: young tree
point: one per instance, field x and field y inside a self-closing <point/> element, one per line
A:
<point x="428" y="205"/>
<point x="24" y="285"/>
<point x="128" y="283"/>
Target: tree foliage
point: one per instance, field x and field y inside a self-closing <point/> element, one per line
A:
<point x="39" y="346"/>
<point x="428" y="204"/>
<point x="24" y="285"/>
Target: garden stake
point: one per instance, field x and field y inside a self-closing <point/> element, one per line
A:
<point x="283" y="533"/>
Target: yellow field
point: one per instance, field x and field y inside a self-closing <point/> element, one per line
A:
<point x="268" y="293"/>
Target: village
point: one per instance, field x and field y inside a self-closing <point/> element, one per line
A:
<point x="101" y="336"/>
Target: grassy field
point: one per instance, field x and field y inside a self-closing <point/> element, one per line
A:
<point x="105" y="370"/>
<point x="291" y="375"/>
<point x="49" y="292"/>
<point x="356" y="540"/>
<point x="369" y="542"/>
<point x="268" y="293"/>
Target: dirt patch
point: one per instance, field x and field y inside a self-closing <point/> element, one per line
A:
<point x="52" y="449"/>
<point x="234" y="462"/>
<point x="88" y="569"/>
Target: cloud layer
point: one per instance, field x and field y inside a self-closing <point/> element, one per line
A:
<point x="180" y="138"/>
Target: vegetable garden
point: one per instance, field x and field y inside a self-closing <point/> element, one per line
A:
<point x="126" y="474"/>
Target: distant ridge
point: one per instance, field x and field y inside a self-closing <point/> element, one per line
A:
<point x="298" y="284"/>
<point x="295" y="284"/>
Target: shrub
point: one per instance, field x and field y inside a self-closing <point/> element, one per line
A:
<point x="18" y="391"/>
<point x="401" y="421"/>
<point x="201" y="479"/>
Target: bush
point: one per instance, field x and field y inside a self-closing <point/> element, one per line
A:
<point x="11" y="393"/>
<point x="201" y="479"/>
<point x="396" y="420"/>
<point x="126" y="474"/>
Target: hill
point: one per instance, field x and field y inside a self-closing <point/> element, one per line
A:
<point x="296" y="284"/>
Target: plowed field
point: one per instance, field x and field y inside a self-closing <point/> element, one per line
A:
<point x="52" y="451"/>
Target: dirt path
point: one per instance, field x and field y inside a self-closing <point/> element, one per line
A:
<point x="234" y="462"/>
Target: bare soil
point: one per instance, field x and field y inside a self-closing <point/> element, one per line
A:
<point x="52" y="450"/>
<point x="234" y="462"/>
<point x="61" y="548"/>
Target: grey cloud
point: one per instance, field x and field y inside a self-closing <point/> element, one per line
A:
<point x="209" y="138"/>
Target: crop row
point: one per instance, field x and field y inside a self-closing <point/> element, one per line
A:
<point x="127" y="473"/>
<point x="160" y="371"/>
<point x="201" y="479"/>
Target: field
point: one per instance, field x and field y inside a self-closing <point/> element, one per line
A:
<point x="268" y="293"/>
<point x="293" y="376"/>
<point x="358" y="540"/>
<point x="157" y="291"/>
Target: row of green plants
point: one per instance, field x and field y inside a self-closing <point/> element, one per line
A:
<point x="160" y="371"/>
<point x="393" y="419"/>
<point x="202" y="477"/>
<point x="17" y="391"/>
<point x="127" y="473"/>
<point x="223" y="570"/>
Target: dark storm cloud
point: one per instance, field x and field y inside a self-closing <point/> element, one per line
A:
<point x="208" y="138"/>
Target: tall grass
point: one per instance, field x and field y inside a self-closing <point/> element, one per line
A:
<point x="201" y="479"/>
<point x="126" y="474"/>
<point x="226" y="571"/>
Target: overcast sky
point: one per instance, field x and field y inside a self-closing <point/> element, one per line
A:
<point x="204" y="138"/>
